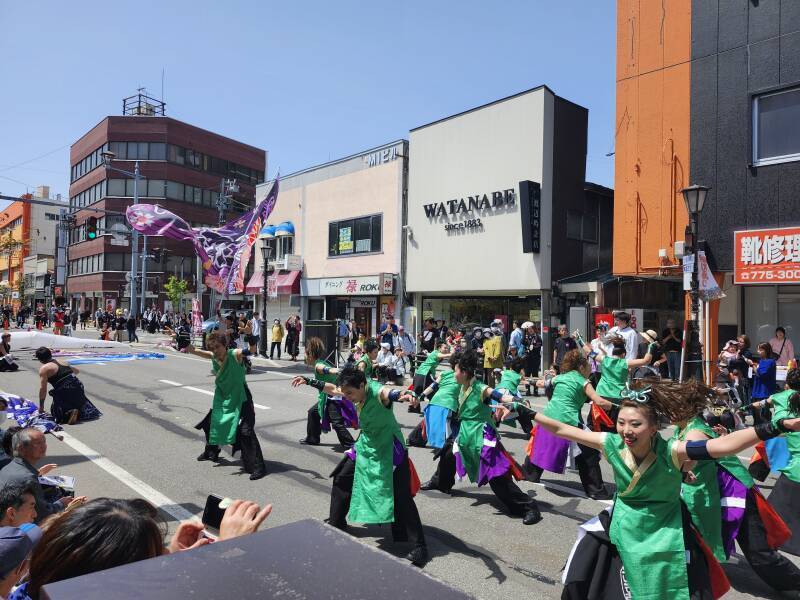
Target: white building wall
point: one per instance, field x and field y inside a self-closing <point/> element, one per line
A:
<point x="486" y="150"/>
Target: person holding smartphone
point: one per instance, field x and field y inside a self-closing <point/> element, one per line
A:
<point x="232" y="417"/>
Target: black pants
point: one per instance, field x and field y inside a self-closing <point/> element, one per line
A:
<point x="406" y="526"/>
<point x="246" y="439"/>
<point x="515" y="500"/>
<point x="421" y="383"/>
<point x="771" y="566"/>
<point x="132" y="337"/>
<point x="588" y="463"/>
<point x="275" y="346"/>
<point x="314" y="425"/>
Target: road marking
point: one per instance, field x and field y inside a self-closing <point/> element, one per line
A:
<point x="198" y="390"/>
<point x="206" y="392"/>
<point x="149" y="493"/>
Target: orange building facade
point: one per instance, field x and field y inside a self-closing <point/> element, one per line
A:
<point x="15" y="226"/>
<point x="652" y="136"/>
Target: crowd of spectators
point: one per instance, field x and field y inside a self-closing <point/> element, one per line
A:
<point x="47" y="535"/>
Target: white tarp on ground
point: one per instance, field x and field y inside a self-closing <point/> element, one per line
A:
<point x="30" y="340"/>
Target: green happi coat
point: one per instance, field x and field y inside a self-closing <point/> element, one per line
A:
<point x="372" y="498"/>
<point x="229" y="395"/>
<point x="322" y="397"/>
<point x="447" y="394"/>
<point x="781" y="410"/>
<point x="614" y="372"/>
<point x="569" y="396"/>
<point x="429" y="364"/>
<point x="646" y="523"/>
<point x="702" y="497"/>
<point x="509" y="380"/>
<point x="367" y="362"/>
<point x="473" y="415"/>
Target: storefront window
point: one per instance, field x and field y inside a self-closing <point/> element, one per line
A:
<point x="767" y="307"/>
<point x="473" y="312"/>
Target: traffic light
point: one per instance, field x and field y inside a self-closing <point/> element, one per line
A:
<point x="91" y="228"/>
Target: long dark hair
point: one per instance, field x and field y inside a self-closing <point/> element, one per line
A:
<point x="101" y="534"/>
<point x="671" y="400"/>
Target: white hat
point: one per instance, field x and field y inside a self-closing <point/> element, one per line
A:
<point x="385" y="345"/>
<point x="526" y="324"/>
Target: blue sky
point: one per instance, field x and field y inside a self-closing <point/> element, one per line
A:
<point x="309" y="81"/>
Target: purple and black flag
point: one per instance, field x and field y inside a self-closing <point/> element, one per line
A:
<point x="224" y="251"/>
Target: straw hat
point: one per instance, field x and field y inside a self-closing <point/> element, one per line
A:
<point x="650" y="335"/>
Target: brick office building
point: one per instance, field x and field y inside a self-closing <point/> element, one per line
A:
<point x="182" y="167"/>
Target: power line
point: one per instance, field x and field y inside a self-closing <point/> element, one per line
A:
<point x="25" y="162"/>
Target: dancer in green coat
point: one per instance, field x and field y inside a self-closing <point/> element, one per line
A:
<point x="375" y="481"/>
<point x="647" y="529"/>
<point x="231" y="419"/>
<point x="726" y="507"/>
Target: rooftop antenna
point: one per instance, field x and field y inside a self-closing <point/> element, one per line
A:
<point x="162" y="83"/>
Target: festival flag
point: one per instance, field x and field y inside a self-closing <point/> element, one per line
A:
<point x="223" y="251"/>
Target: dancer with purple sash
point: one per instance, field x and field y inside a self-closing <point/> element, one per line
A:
<point x="548" y="452"/>
<point x="477" y="452"/>
<point x="726" y="507"/>
<point x="375" y="481"/>
<point x="329" y="411"/>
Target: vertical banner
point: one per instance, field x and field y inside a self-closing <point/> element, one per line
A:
<point x="197" y="318"/>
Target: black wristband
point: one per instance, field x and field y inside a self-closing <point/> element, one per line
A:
<point x="767" y="431"/>
<point x="315" y="383"/>
<point x="696" y="450"/>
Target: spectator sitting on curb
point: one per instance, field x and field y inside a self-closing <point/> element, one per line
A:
<point x="16" y="545"/>
<point x="107" y="533"/>
<point x="17" y="504"/>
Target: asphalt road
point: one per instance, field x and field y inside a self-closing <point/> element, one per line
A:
<point x="145" y="445"/>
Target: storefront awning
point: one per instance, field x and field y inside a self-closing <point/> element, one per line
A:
<point x="256" y="283"/>
<point x="287" y="283"/>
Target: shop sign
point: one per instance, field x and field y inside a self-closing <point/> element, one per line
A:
<point x="387" y="284"/>
<point x="380" y="157"/>
<point x="767" y="256"/>
<point x="350" y="286"/>
<point x="364" y="303"/>
<point x="479" y="202"/>
<point x="478" y="206"/>
<point x="272" y="287"/>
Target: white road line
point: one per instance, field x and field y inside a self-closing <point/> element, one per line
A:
<point x="198" y="390"/>
<point x="151" y="494"/>
<point x="206" y="392"/>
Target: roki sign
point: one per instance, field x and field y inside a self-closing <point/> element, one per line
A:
<point x="767" y="256"/>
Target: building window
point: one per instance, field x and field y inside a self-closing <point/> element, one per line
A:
<point x="285" y="246"/>
<point x="355" y="236"/>
<point x="776" y="127"/>
<point x="92" y="161"/>
<point x="582" y="226"/>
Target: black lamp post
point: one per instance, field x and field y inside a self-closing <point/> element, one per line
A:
<point x="695" y="198"/>
<point x="267" y="235"/>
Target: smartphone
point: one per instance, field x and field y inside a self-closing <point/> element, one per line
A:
<point x="214" y="511"/>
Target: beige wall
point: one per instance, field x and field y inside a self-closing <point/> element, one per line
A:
<point x="311" y="207"/>
<point x="489" y="149"/>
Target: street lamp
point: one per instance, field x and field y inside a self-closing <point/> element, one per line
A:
<point x="108" y="157"/>
<point x="695" y="198"/>
<point x="267" y="237"/>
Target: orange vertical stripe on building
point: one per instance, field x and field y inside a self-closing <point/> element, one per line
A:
<point x="652" y="133"/>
